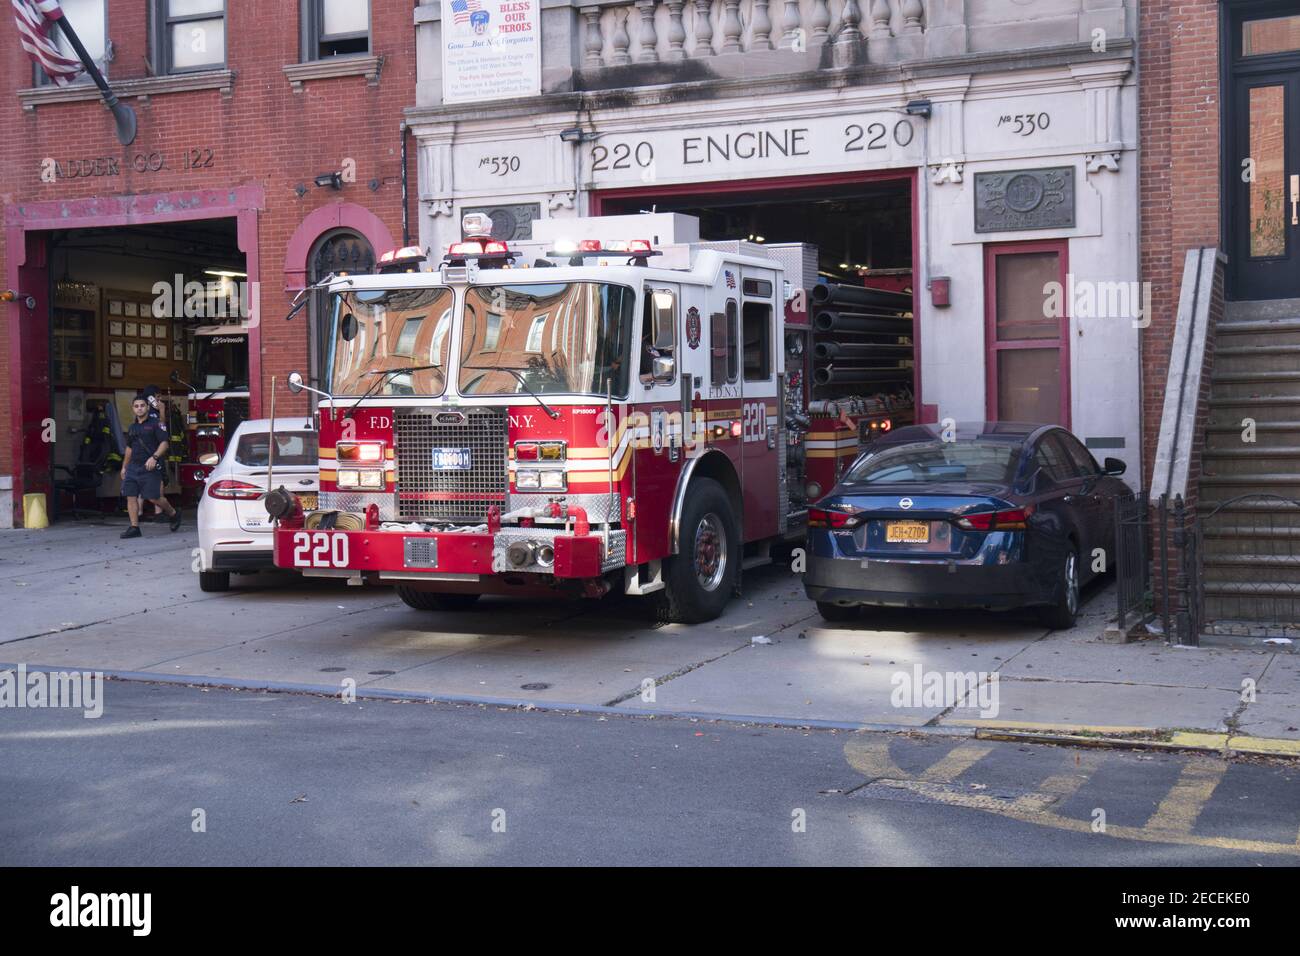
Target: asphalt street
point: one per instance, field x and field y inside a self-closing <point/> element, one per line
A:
<point x="299" y="779"/>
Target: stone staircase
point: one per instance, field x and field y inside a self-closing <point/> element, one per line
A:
<point x="1251" y="547"/>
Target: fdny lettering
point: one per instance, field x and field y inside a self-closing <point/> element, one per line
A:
<point x="380" y="421"/>
<point x="521" y="421"/>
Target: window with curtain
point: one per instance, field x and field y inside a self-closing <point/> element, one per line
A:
<point x="190" y="35"/>
<point x="335" y="28"/>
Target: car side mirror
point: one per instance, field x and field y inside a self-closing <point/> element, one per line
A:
<point x="1115" y="467"/>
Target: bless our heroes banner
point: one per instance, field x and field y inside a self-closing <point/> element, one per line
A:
<point x="491" y="50"/>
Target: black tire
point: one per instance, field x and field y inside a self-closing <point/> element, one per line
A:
<point x="214" y="581"/>
<point x="1064" y="610"/>
<point x="700" y="578"/>
<point x="837" y="613"/>
<point x="434" y="601"/>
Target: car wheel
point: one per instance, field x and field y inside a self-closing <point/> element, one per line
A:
<point x="836" y="613"/>
<point x="433" y="601"/>
<point x="1065" y="610"/>
<point x="212" y="581"/>
<point x="700" y="577"/>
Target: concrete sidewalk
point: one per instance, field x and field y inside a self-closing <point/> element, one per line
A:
<point x="77" y="597"/>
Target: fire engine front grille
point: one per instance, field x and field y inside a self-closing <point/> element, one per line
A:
<point x="425" y="494"/>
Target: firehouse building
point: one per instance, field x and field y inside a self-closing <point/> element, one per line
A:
<point x="270" y="152"/>
<point x="978" y="157"/>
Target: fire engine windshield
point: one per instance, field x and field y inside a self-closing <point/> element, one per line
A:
<point x="554" y="338"/>
<point x="401" y="332"/>
<point x="221" y="362"/>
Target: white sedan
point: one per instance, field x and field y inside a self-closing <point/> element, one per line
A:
<point x="234" y="528"/>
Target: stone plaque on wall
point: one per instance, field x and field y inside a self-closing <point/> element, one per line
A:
<point x="1017" y="199"/>
<point x="510" y="223"/>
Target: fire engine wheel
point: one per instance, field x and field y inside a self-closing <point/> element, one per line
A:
<point x="701" y="576"/>
<point x="432" y="601"/>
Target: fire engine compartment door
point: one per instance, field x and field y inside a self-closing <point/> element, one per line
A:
<point x="760" y="362"/>
<point x="656" y="398"/>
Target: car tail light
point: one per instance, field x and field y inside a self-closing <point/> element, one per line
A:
<point x="360" y="451"/>
<point x="231" y="489"/>
<point x="819" y="518"/>
<point x="1014" y="519"/>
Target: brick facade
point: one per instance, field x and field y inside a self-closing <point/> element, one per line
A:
<point x="266" y="139"/>
<point x="1179" y="79"/>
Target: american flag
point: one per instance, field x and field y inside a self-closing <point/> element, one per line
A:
<point x="35" y="19"/>
<point x="460" y="9"/>
<point x="731" y="280"/>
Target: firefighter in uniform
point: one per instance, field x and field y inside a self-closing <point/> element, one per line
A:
<point x="142" y="469"/>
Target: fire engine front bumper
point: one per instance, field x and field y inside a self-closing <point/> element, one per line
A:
<point x="448" y="556"/>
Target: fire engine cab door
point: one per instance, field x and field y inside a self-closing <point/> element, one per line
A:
<point x="665" y="363"/>
<point x="759" y="361"/>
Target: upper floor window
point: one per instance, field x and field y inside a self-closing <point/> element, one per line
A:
<point x="335" y="28"/>
<point x="190" y="35"/>
<point x="90" y="20"/>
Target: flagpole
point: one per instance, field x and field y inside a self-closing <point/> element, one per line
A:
<point x="123" y="115"/>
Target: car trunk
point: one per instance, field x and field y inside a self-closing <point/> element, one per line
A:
<point x="900" y="525"/>
<point x="252" y="512"/>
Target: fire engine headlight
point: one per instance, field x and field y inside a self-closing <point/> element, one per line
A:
<point x="372" y="479"/>
<point x="553" y="481"/>
<point x="528" y="478"/>
<point x="350" y="478"/>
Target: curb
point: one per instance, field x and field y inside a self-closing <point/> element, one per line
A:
<point x="1079" y="735"/>
<point x="1142" y="738"/>
<point x="514" y="703"/>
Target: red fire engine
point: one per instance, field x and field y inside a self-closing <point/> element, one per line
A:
<point x="576" y="416"/>
<point x="218" y="398"/>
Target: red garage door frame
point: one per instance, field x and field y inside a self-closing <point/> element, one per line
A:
<point x="27" y="226"/>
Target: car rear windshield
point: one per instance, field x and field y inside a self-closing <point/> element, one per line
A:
<point x="937" y="461"/>
<point x="292" y="449"/>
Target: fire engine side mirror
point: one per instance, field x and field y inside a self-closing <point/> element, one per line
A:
<point x="663" y="368"/>
<point x="295" y="383"/>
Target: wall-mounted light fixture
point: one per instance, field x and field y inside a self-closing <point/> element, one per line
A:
<point x="574" y="134"/>
<point x="332" y="180"/>
<point x="919" y="108"/>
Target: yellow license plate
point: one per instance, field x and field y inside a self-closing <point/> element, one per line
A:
<point x="907" y="532"/>
<point x="308" y="501"/>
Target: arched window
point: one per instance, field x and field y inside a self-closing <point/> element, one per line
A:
<point x="340" y="252"/>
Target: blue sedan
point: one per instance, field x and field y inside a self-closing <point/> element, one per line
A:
<point x="990" y="515"/>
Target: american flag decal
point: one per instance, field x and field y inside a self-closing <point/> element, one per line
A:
<point x="731" y="279"/>
<point x="35" y="19"/>
<point x="461" y="9"/>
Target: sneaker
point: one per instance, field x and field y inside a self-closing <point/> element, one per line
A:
<point x="176" y="519"/>
<point x="132" y="532"/>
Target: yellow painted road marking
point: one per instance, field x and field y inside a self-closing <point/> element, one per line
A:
<point x="1179" y="809"/>
<point x="868" y="754"/>
<point x="960" y="759"/>
<point x="1173" y="820"/>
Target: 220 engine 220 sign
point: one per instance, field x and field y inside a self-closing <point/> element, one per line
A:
<point x="821" y="144"/>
